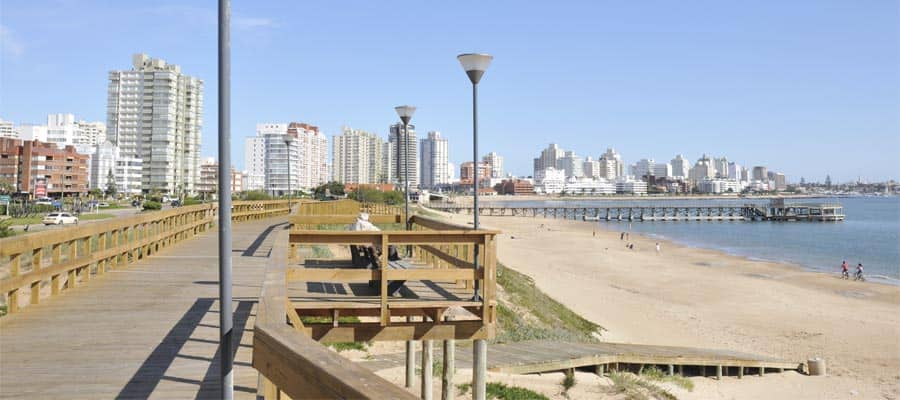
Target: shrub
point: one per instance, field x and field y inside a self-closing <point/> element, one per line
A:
<point x="191" y="202"/>
<point x="503" y="392"/>
<point x="152" y="205"/>
<point x="256" y="195"/>
<point x="5" y="230"/>
<point x="636" y="387"/>
<point x="568" y="381"/>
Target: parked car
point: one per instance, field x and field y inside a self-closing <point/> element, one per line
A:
<point x="59" y="218"/>
<point x="176" y="203"/>
<point x="103" y="204"/>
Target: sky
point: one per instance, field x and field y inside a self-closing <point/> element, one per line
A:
<point x="807" y="88"/>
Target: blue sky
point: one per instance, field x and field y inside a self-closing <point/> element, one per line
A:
<point x="805" y="87"/>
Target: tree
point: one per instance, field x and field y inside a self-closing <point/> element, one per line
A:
<point x="6" y="187"/>
<point x="331" y="188"/>
<point x="95" y="193"/>
<point x="110" y="184"/>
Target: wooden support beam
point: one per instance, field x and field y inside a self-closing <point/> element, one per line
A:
<point x="427" y="370"/>
<point x="719" y="372"/>
<point x="599" y="369"/>
<point x="448" y="391"/>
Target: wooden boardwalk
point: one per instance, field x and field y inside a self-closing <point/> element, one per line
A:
<point x="149" y="330"/>
<point x="548" y="356"/>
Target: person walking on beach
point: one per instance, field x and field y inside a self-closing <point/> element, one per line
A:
<point x="657" y="248"/>
<point x="845" y="271"/>
<point x="622" y="236"/>
<point x="859" y="273"/>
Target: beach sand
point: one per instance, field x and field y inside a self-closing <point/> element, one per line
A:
<point x="693" y="297"/>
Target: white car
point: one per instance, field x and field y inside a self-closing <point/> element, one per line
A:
<point x="59" y="218"/>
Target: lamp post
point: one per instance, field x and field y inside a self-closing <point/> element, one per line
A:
<point x="226" y="318"/>
<point x="288" y="139"/>
<point x="405" y="113"/>
<point x="475" y="65"/>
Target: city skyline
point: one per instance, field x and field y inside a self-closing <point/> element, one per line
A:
<point x="820" y="74"/>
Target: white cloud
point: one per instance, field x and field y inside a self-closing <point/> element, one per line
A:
<point x="9" y="43"/>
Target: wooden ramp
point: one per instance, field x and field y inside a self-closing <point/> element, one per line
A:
<point x="549" y="356"/>
<point x="148" y="330"/>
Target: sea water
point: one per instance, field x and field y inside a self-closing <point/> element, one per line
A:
<point x="870" y="234"/>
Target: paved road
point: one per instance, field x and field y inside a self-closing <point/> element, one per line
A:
<point x="146" y="331"/>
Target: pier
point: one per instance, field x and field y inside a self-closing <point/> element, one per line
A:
<point x="776" y="210"/>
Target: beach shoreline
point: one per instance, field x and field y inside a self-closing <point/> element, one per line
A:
<point x="690" y="296"/>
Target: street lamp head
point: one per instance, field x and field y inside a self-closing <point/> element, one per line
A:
<point x="475" y="65"/>
<point x="405" y="113"/>
<point x="288" y="139"/>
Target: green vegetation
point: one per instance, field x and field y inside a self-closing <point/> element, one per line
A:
<point x="2" y="310"/>
<point x="638" y="388"/>
<point x="501" y="391"/>
<point x="5" y="230"/>
<point x="341" y="346"/>
<point x="656" y="374"/>
<point x="568" y="382"/>
<point x="152" y="205"/>
<point x="391" y="197"/>
<point x="191" y="202"/>
<point x="550" y="318"/>
<point x="328" y="189"/>
<point x="255" y="195"/>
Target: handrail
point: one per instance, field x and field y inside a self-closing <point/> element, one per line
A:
<point x="292" y="362"/>
<point x="64" y="255"/>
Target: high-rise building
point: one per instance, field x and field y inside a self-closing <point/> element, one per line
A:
<point x="591" y="168"/>
<point x="33" y="132"/>
<point x="721" y="166"/>
<point x="549" y="158"/>
<point x="642" y="168"/>
<point x="779" y="182"/>
<point x="255" y="155"/>
<point x="703" y="169"/>
<point x="760" y="173"/>
<point x="467" y="172"/>
<point x="409" y="159"/>
<point x="434" y="160"/>
<point x="662" y="170"/>
<point x="734" y="171"/>
<point x="680" y="167"/>
<point x="611" y="164"/>
<point x="496" y="162"/>
<point x="107" y="162"/>
<point x="209" y="177"/>
<point x="572" y="164"/>
<point x="8" y="129"/>
<point x="313" y="147"/>
<point x="357" y="157"/>
<point x="155" y="113"/>
<point x="63" y="129"/>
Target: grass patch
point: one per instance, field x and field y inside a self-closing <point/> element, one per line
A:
<point x="91" y="217"/>
<point x="568" y="381"/>
<point x="501" y="391"/>
<point x="553" y="319"/>
<point x="340" y="346"/>
<point x="638" y="388"/>
<point x="656" y="374"/>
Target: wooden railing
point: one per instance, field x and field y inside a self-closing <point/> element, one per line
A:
<point x="347" y="207"/>
<point x="293" y="364"/>
<point x="65" y="256"/>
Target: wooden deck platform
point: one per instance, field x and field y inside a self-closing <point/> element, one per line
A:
<point x="549" y="356"/>
<point x="148" y="330"/>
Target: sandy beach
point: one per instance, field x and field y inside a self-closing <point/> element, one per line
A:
<point x="694" y="297"/>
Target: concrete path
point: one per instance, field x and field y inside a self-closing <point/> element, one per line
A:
<point x="147" y="331"/>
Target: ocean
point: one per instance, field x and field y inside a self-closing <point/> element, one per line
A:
<point x="870" y="234"/>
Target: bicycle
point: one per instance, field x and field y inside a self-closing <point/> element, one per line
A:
<point x="859" y="277"/>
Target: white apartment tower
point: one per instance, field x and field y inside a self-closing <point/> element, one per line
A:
<point x="680" y="167"/>
<point x="549" y="158"/>
<point x="312" y="169"/>
<point x="357" y="157"/>
<point x="63" y="130"/>
<point x="155" y="113"/>
<point x="496" y="162"/>
<point x="611" y="164"/>
<point x="408" y="154"/>
<point x="8" y="130"/>
<point x="255" y="154"/>
<point x="434" y="160"/>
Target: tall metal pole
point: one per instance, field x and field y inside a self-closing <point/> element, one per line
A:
<point x="406" y="176"/>
<point x="225" y="313"/>
<point x="475" y="177"/>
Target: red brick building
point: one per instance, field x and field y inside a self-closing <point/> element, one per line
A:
<point x="515" y="187"/>
<point x="27" y="164"/>
<point x="466" y="172"/>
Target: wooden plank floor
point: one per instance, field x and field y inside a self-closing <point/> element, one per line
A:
<point x="547" y="356"/>
<point x="146" y="331"/>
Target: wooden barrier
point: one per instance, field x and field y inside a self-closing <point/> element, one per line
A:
<point x="73" y="255"/>
<point x="293" y="364"/>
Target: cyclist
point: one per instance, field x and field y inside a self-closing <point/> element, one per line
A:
<point x="859" y="273"/>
